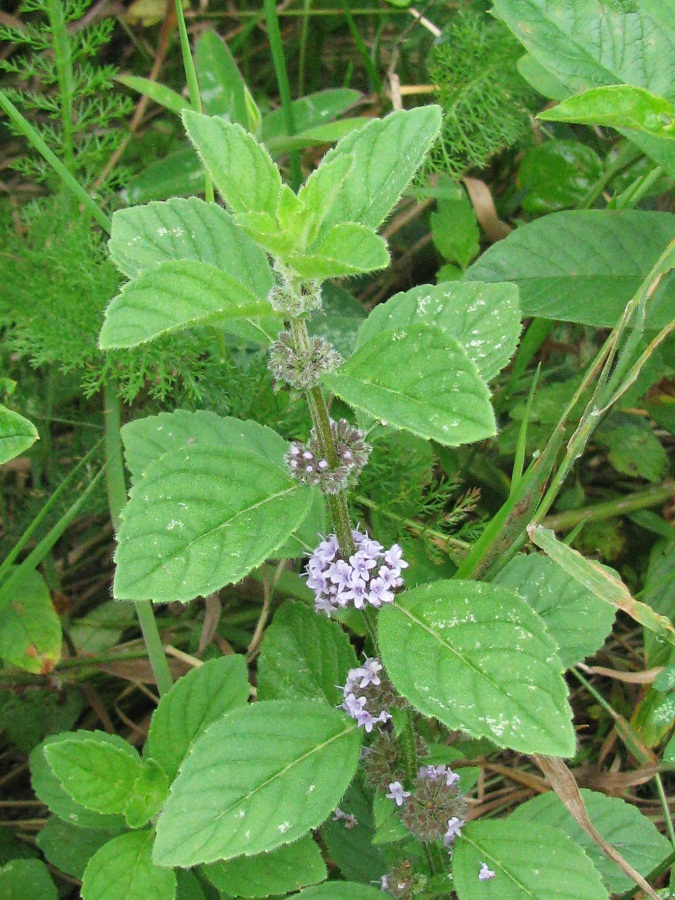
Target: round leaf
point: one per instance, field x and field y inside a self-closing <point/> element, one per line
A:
<point x="123" y="870"/>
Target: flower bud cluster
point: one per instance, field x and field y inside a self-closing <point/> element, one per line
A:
<point x="369" y="576"/>
<point x="302" y="369"/>
<point x="291" y="296"/>
<point x="403" y="882"/>
<point x="363" y="695"/>
<point x="308" y="464"/>
<point x="434" y="809"/>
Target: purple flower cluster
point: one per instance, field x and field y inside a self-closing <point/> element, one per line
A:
<point x="369" y="576"/>
<point x="308" y="464"/>
<point x="303" y="368"/>
<point x="359" y="680"/>
<point x="435" y="773"/>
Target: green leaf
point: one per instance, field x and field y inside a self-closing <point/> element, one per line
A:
<point x="339" y="319"/>
<point x="97" y="773"/>
<point x="309" y="208"/>
<point x="618" y="106"/>
<point x="346" y="249"/>
<point x="314" y="137"/>
<point x="478" y="658"/>
<point x="241" y="168"/>
<point x="557" y="175"/>
<point x="418" y="378"/>
<point x="288" y="868"/>
<point x="189" y="888"/>
<point x="352" y="849"/>
<point x="575" y="618"/>
<point x="148" y="793"/>
<point x="26" y="878"/>
<point x="594" y="42"/>
<point x="603" y="582"/>
<point x="123" y="870"/>
<point x="49" y="789"/>
<point x="633" y="447"/>
<point x="30" y="628"/>
<point x="621" y="824"/>
<point x="146" y="440"/>
<point x="201" y="518"/>
<point x="261" y="777"/>
<point x="16" y="434"/>
<point x="68" y="847"/>
<point x="387" y="153"/>
<point x="340" y="890"/>
<point x="484" y="319"/>
<point x="303" y="656"/>
<point x="159" y="93"/>
<point x="587" y="44"/>
<point x="310" y="111"/>
<point x="454" y="228"/>
<point x="196" y="700"/>
<point x="583" y="266"/>
<point x="659" y="594"/>
<point x="173" y="296"/>
<point x="543" y="81"/>
<point x="530" y="863"/>
<point x="221" y="86"/>
<point x="179" y="174"/>
<point x="142" y="237"/>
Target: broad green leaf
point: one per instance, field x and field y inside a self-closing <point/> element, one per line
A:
<point x="68" y="847"/>
<point x="346" y="249"/>
<point x="189" y="888"/>
<point x="261" y="777"/>
<point x="310" y="111"/>
<point x="148" y="793"/>
<point x="387" y="153"/>
<point x="146" y="440"/>
<point x="478" y="658"/>
<point x="179" y="174"/>
<point x="557" y="175"/>
<point x="102" y="628"/>
<point x="633" y="447"/>
<point x="575" y="618"/>
<point x="340" y="890"/>
<point x="305" y="538"/>
<point x="21" y="879"/>
<point x="288" y="868"/>
<point x="484" y="319"/>
<point x="588" y="43"/>
<point x="123" y="870"/>
<point x="303" y="656"/>
<point x="583" y="266"/>
<point x="420" y="379"/>
<point x="173" y="296"/>
<point x="96" y="773"/>
<point x="16" y="434"/>
<point x="144" y="236"/>
<point x="601" y="581"/>
<point x="222" y="89"/>
<point x="49" y="789"/>
<point x="530" y="862"/>
<point x="619" y="106"/>
<point x="30" y="628"/>
<point x="159" y="93"/>
<point x="201" y="518"/>
<point x="241" y="168"/>
<point x="543" y="81"/>
<point x="339" y="319"/>
<point x="313" y="200"/>
<point x="621" y="824"/>
<point x="352" y="849"/>
<point x="196" y="700"/>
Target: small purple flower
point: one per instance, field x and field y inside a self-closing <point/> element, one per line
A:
<point x="485" y="873"/>
<point x="394" y="558"/>
<point x="348" y="818"/>
<point x="384" y="883"/>
<point x="397" y="793"/>
<point x="434" y="772"/>
<point x="361" y="563"/>
<point x="354" y="705"/>
<point x="455" y="826"/>
<point x="367" y="672"/>
<point x="380" y="593"/>
<point x="357" y="592"/>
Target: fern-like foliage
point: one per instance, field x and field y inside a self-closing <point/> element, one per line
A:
<point x="484" y="97"/>
<point x="55" y="78"/>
